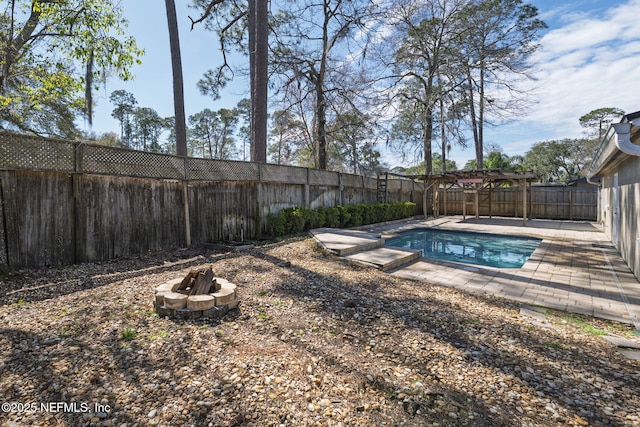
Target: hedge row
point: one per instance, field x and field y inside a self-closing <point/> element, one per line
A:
<point x="296" y="220"/>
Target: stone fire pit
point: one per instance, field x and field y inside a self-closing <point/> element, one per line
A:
<point x="198" y="294"/>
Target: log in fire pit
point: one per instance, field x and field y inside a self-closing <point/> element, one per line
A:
<point x="199" y="294"/>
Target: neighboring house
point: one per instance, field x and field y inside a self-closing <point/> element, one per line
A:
<point x="618" y="165"/>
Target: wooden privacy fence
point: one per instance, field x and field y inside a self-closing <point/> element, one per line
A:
<point x="64" y="202"/>
<point x="556" y="202"/>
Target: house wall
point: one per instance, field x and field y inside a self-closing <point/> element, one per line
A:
<point x="628" y="243"/>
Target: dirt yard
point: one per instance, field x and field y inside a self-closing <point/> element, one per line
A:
<point x="315" y="342"/>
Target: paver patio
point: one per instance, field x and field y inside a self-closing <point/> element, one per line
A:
<point x="575" y="268"/>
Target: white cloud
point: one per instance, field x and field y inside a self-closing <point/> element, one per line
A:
<point x="590" y="61"/>
<point x="587" y="64"/>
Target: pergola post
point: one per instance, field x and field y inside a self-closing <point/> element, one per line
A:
<point x="436" y="200"/>
<point x="444" y="197"/>
<point x="476" y="197"/>
<point x="464" y="204"/>
<point x="490" y="200"/>
<point x="424" y="199"/>
<point x="524" y="202"/>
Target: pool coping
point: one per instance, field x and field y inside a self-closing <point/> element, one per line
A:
<point x="575" y="268"/>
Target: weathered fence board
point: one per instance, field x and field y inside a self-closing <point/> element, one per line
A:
<point x="121" y="216"/>
<point x="4" y="261"/>
<point x="223" y="211"/>
<point x="38" y="215"/>
<point x="567" y="203"/>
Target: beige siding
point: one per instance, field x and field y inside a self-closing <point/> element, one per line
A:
<point x="629" y="208"/>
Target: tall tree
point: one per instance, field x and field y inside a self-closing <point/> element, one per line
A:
<point x="259" y="65"/>
<point x="557" y="160"/>
<point x="354" y="135"/>
<point x="213" y="131"/>
<point x="596" y="122"/>
<point x="425" y="33"/>
<point x="244" y="121"/>
<point x="180" y="126"/>
<point x="311" y="47"/>
<point x="501" y="36"/>
<point x="287" y="138"/>
<point x="231" y="19"/>
<point x="201" y="133"/>
<point x="42" y="43"/>
<point x="147" y="128"/>
<point x="124" y="106"/>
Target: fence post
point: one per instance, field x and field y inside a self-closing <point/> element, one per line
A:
<point x="4" y="250"/>
<point x="78" y="205"/>
<point x="259" y="201"/>
<point x="307" y="195"/>
<point x="570" y="204"/>
<point x="340" y="189"/>
<point x="524" y="202"/>
<point x="185" y="198"/>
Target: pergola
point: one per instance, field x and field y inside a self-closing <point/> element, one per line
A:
<point x="472" y="182"/>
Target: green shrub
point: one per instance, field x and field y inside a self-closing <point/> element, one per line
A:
<point x="355" y="215"/>
<point x="298" y="219"/>
<point x="368" y="214"/>
<point x="409" y="209"/>
<point x="393" y="211"/>
<point x="345" y="216"/>
<point x="379" y="212"/>
<point x="312" y="219"/>
<point x="276" y="225"/>
<point x="294" y="219"/>
<point x="331" y="217"/>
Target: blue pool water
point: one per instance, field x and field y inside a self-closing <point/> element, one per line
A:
<point x="470" y="248"/>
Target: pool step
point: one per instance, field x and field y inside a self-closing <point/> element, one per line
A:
<point x="346" y="242"/>
<point x="363" y="248"/>
<point x="385" y="258"/>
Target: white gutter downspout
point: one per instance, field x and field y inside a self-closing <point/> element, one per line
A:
<point x="623" y="139"/>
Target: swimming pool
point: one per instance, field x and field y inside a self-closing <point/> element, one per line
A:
<point x="470" y="248"/>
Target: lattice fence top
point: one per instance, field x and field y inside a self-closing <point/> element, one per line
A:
<point x="46" y="154"/>
<point x="222" y="170"/>
<point x="29" y="152"/>
<point x="116" y="161"/>
<point x="321" y="177"/>
<point x="288" y="174"/>
<point x="349" y="180"/>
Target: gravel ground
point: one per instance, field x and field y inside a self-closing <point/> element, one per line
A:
<point x="314" y="342"/>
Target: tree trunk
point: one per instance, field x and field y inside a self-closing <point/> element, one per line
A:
<point x="427" y="135"/>
<point x="443" y="136"/>
<point x="474" y="120"/>
<point x="480" y="124"/>
<point x="259" y="63"/>
<point x="178" y="91"/>
<point x="321" y="129"/>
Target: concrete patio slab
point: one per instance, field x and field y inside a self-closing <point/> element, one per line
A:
<point x="345" y="242"/>
<point x="575" y="268"/>
<point x="385" y="258"/>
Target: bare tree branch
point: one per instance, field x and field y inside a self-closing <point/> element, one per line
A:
<point x="206" y="14"/>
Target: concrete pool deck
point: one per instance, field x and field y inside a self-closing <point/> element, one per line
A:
<point x="575" y="268"/>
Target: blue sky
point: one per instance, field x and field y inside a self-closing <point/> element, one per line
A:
<point x="589" y="57"/>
